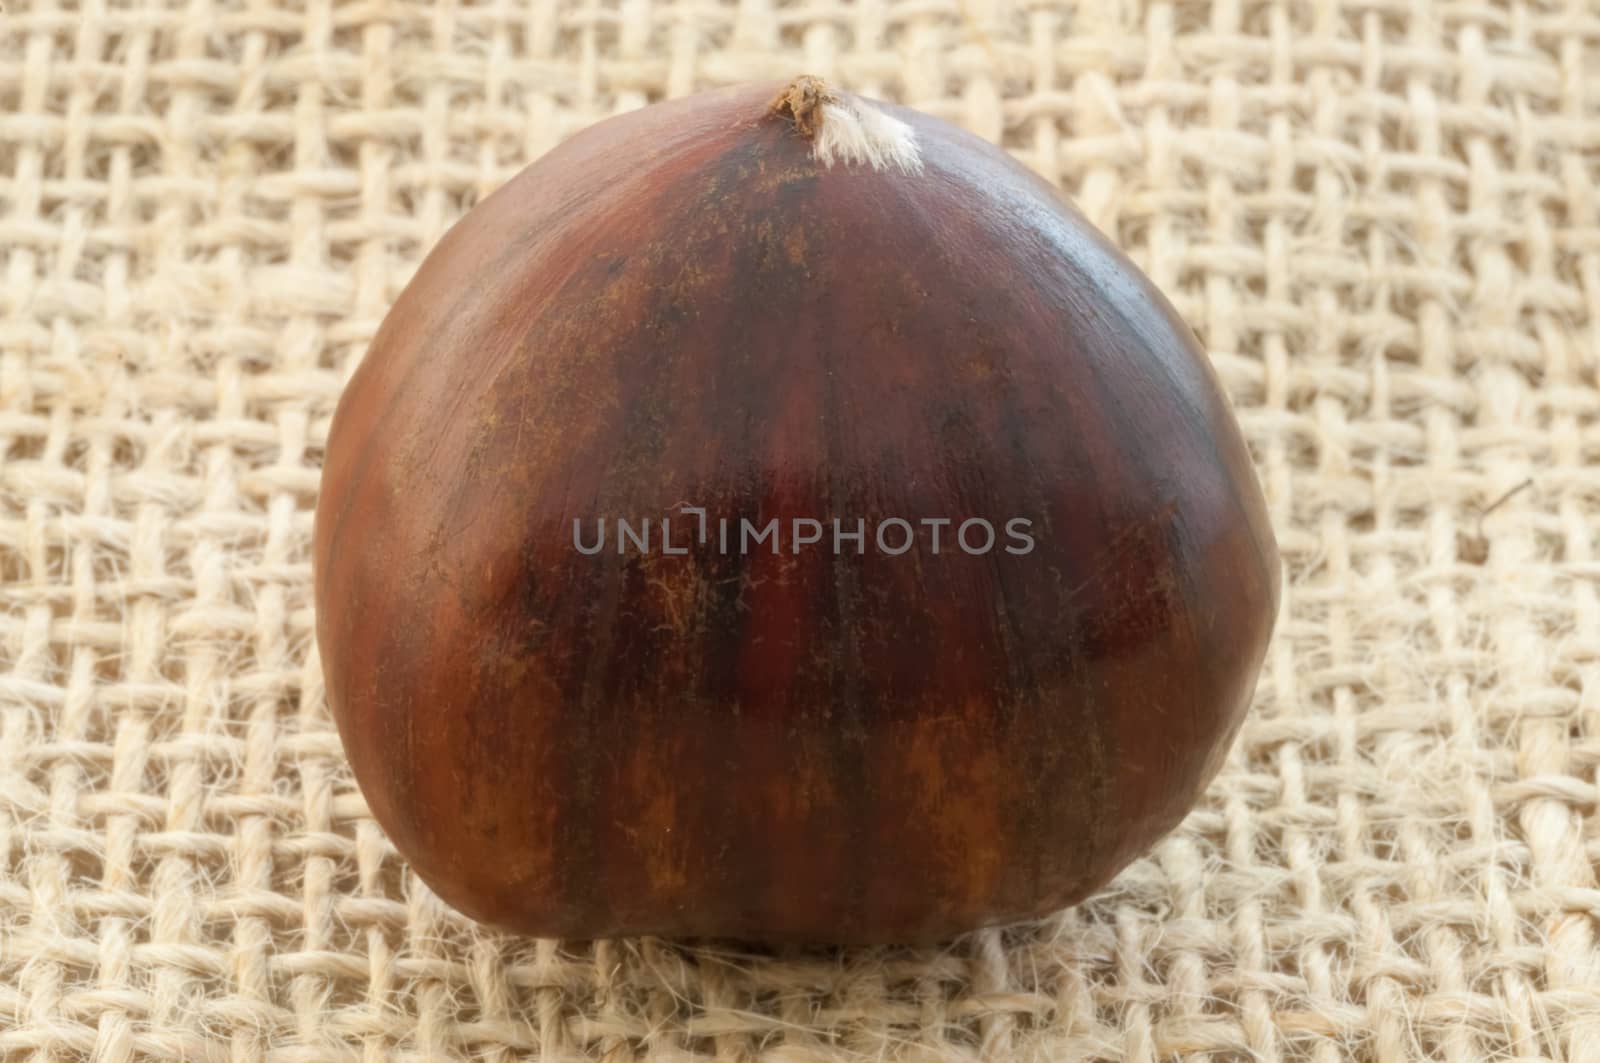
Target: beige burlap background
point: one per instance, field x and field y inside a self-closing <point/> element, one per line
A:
<point x="1382" y="216"/>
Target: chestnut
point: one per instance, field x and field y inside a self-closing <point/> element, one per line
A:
<point x="776" y="514"/>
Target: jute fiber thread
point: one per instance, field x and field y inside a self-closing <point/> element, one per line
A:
<point x="1381" y="217"/>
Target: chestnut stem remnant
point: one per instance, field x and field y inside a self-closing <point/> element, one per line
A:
<point x="801" y="102"/>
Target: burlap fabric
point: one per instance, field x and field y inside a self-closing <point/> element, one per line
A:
<point x="1383" y="219"/>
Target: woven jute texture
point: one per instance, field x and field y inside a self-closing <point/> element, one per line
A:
<point x="1381" y="216"/>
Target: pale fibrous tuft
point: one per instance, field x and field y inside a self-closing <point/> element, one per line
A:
<point x="856" y="132"/>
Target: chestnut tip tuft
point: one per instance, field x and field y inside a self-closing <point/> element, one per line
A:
<point x="847" y="129"/>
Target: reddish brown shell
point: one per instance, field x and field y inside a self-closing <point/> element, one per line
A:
<point x="682" y="305"/>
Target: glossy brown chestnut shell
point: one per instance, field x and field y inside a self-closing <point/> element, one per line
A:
<point x="686" y="307"/>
